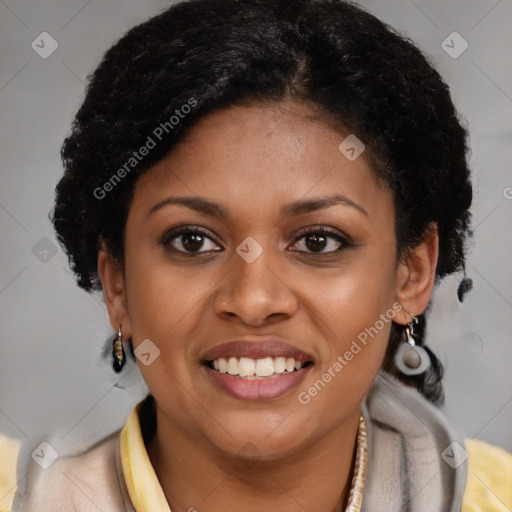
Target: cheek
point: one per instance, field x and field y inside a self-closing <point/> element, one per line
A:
<point x="354" y="297"/>
<point x="165" y="306"/>
<point x="358" y="321"/>
<point x="160" y="296"/>
<point x="354" y="309"/>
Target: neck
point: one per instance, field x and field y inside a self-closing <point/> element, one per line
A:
<point x="196" y="476"/>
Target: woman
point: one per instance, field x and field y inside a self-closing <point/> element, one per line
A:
<point x="267" y="192"/>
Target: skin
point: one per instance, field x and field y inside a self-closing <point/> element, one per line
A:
<point x="211" y="450"/>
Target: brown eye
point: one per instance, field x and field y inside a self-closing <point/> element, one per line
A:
<point x="321" y="241"/>
<point x="188" y="240"/>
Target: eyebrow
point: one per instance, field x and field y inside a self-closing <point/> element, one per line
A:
<point x="213" y="209"/>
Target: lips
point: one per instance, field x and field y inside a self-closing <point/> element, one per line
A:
<point x="256" y="348"/>
<point x="256" y="368"/>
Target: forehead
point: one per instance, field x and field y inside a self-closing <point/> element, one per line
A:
<point x="252" y="158"/>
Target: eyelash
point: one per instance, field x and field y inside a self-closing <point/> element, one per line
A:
<point x="321" y="230"/>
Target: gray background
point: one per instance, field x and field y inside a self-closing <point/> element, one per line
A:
<point x="54" y="383"/>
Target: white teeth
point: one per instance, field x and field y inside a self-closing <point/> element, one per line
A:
<point x="279" y="364"/>
<point x="264" y="367"/>
<point x="233" y="366"/>
<point x="248" y="367"/>
<point x="223" y="365"/>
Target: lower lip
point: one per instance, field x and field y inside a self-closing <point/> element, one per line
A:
<point x="268" y="388"/>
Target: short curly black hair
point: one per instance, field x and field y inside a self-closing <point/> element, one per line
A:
<point x="199" y="56"/>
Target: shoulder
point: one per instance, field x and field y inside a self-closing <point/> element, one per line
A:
<point x="9" y="450"/>
<point x="90" y="481"/>
<point x="489" y="479"/>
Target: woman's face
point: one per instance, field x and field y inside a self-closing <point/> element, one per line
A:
<point x="259" y="273"/>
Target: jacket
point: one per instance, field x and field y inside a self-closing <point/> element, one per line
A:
<point x="416" y="463"/>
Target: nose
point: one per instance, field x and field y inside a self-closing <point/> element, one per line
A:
<point x="255" y="293"/>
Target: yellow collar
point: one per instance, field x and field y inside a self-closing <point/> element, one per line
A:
<point x="146" y="492"/>
<point x="141" y="480"/>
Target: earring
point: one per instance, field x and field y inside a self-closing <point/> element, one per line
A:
<point x="118" y="351"/>
<point x="410" y="358"/>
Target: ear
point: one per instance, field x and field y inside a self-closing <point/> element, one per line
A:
<point x="416" y="276"/>
<point x="114" y="291"/>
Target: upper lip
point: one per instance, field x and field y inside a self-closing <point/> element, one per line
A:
<point x="256" y="348"/>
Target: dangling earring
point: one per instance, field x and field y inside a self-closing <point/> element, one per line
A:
<point x="118" y="352"/>
<point x="410" y="358"/>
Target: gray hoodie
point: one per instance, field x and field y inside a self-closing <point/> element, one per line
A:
<point x="416" y="463"/>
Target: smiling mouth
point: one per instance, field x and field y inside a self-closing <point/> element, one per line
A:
<point x="257" y="369"/>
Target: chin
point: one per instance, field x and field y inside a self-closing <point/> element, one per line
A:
<point x="261" y="437"/>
